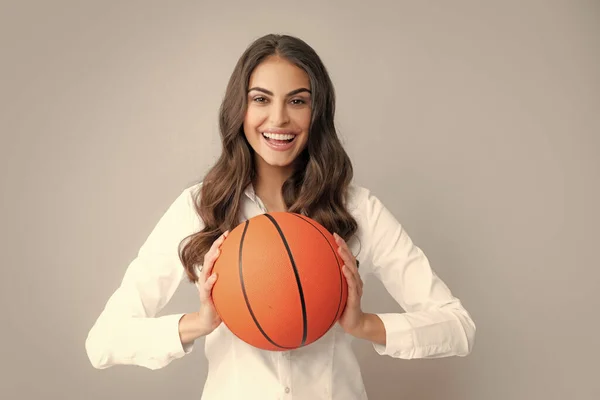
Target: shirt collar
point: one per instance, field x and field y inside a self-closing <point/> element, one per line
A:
<point x="251" y="194"/>
<point x="249" y="191"/>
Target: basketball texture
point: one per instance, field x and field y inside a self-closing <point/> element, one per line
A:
<point x="280" y="284"/>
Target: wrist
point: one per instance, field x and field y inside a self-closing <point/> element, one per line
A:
<point x="363" y="326"/>
<point x="190" y="327"/>
<point x="371" y="328"/>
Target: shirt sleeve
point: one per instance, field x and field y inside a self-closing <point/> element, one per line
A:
<point x="434" y="323"/>
<point x="127" y="330"/>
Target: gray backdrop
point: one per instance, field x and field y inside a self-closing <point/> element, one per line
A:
<point x="475" y="122"/>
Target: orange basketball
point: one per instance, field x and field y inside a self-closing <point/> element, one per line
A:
<point x="280" y="284"/>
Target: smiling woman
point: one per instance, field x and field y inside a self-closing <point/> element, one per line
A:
<point x="277" y="120"/>
<point x="279" y="86"/>
<point x="281" y="152"/>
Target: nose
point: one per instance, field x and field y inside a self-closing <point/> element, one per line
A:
<point x="279" y="115"/>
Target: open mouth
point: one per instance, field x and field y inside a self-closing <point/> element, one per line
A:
<point x="279" y="139"/>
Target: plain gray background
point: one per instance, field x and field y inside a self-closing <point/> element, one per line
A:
<point x="476" y="123"/>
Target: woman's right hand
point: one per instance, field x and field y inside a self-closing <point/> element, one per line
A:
<point x="208" y="318"/>
<point x="201" y="323"/>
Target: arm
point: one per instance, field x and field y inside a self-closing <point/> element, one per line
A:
<point x="190" y="328"/>
<point x="435" y="324"/>
<point x="127" y="330"/>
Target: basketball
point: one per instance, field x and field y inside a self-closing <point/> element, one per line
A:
<point x="280" y="284"/>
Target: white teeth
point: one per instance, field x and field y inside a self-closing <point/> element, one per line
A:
<point x="277" y="136"/>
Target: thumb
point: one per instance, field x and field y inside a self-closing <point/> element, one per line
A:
<point x="210" y="282"/>
<point x="206" y="291"/>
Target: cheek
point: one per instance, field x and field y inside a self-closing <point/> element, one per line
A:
<point x="253" y="118"/>
<point x="302" y="145"/>
<point x="303" y="119"/>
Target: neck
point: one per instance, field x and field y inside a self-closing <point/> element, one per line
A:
<point x="270" y="179"/>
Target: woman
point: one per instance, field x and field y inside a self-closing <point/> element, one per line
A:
<point x="280" y="153"/>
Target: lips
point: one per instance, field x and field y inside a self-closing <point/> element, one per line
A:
<point x="279" y="145"/>
<point x="279" y="137"/>
<point x="279" y="131"/>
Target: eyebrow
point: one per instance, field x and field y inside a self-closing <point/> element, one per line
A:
<point x="293" y="92"/>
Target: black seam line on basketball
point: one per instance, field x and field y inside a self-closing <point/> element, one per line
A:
<point x="336" y="260"/>
<point x="246" y="295"/>
<point x="297" y="275"/>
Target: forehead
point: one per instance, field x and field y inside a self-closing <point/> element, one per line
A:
<point x="279" y="75"/>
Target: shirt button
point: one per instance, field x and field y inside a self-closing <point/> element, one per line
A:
<point x="287" y="389"/>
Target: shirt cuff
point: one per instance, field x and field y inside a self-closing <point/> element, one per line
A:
<point x="399" y="339"/>
<point x="170" y="333"/>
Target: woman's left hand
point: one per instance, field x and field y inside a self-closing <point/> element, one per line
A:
<point x="352" y="318"/>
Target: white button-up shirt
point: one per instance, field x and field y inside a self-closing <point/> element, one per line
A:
<point x="434" y="323"/>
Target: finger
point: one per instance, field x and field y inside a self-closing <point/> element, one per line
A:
<point x="342" y="243"/>
<point x="210" y="262"/>
<point x="210" y="283"/>
<point x="360" y="287"/>
<point x="359" y="284"/>
<point x="345" y="251"/>
<point x="355" y="280"/>
<point x="217" y="243"/>
<point x="351" y="281"/>
<point x="347" y="257"/>
<point x="349" y="278"/>
<point x="350" y="261"/>
<point x="207" y="287"/>
<point x="213" y="253"/>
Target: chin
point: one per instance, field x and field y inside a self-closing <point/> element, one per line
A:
<point x="277" y="161"/>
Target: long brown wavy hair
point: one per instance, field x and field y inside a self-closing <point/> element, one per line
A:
<point x="322" y="172"/>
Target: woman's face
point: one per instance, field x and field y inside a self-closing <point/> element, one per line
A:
<point x="279" y="110"/>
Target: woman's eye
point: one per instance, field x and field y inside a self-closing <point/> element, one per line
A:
<point x="259" y="99"/>
<point x="297" y="102"/>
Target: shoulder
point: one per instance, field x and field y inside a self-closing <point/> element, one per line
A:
<point x="191" y="193"/>
<point x="183" y="207"/>
<point x="369" y="210"/>
<point x="376" y="222"/>
<point x="359" y="200"/>
<point x="193" y="189"/>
